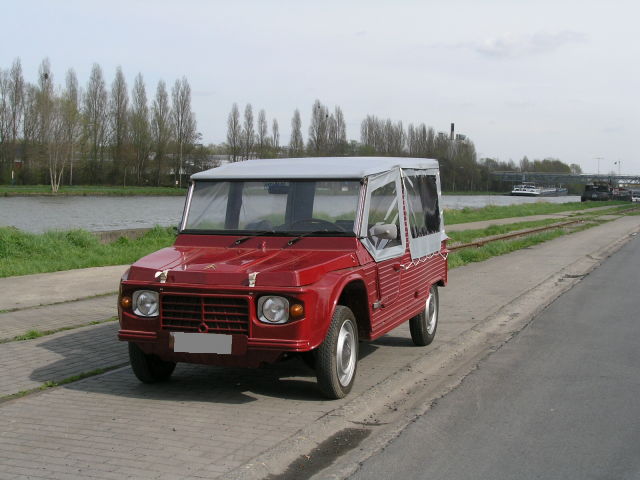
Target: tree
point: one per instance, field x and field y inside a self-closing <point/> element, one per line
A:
<point x="118" y="116"/>
<point x="275" y="137"/>
<point x="234" y="134"/>
<point x="14" y="109"/>
<point x="341" y="131"/>
<point x="95" y="122"/>
<point x="248" y="134"/>
<point x="184" y="123"/>
<point x="319" y="129"/>
<point x="296" y="143"/>
<point x="70" y="120"/>
<point x="29" y="132"/>
<point x="140" y="127"/>
<point x="262" y="137"/>
<point x="160" y="127"/>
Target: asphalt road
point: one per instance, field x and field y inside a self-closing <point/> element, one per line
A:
<point x="560" y="400"/>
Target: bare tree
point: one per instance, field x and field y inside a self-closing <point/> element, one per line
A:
<point x="319" y="129"/>
<point x="70" y="120"/>
<point x="118" y="116"/>
<point x="4" y="122"/>
<point x="15" y="107"/>
<point x="29" y="131"/>
<point x="183" y="121"/>
<point x="341" y="131"/>
<point x="54" y="138"/>
<point x="160" y="127"/>
<point x="234" y="134"/>
<point x="262" y="137"/>
<point x="296" y="144"/>
<point x="95" y="122"/>
<point x="275" y="137"/>
<point x="248" y="134"/>
<point x="140" y="128"/>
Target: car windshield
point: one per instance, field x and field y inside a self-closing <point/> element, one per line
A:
<point x="273" y="207"/>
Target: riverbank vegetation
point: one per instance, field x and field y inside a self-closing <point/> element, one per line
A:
<point x="60" y="133"/>
<point x="24" y="253"/>
<point x="493" y="212"/>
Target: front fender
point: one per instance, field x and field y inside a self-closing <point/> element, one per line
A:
<point x="329" y="290"/>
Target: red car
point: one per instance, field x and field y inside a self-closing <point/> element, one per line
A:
<point x="299" y="256"/>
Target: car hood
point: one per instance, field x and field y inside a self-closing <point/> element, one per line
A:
<point x="224" y="264"/>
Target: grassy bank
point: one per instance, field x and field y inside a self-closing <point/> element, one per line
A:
<point x="493" y="212"/>
<point x="86" y="190"/>
<point x="24" y="253"/>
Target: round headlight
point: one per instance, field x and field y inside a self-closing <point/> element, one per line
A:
<point x="145" y="303"/>
<point x="273" y="309"/>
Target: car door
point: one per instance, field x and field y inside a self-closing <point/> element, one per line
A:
<point x="383" y="210"/>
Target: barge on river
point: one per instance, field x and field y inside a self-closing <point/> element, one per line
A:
<point x="528" y="189"/>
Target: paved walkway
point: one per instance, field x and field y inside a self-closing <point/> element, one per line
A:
<point x="55" y="317"/>
<point x="207" y="422"/>
<point x="48" y="288"/>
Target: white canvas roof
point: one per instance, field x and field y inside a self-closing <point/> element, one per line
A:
<point x="313" y="167"/>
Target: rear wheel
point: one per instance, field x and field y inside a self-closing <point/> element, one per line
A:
<point x="337" y="356"/>
<point x="149" y="368"/>
<point x="423" y="326"/>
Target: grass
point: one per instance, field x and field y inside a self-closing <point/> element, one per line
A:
<point x="493" y="212"/>
<point x="84" y="190"/>
<point x="24" y="253"/>
<point x="501" y="247"/>
<point x="466" y="236"/>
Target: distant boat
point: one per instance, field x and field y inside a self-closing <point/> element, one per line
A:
<point x="529" y="189"/>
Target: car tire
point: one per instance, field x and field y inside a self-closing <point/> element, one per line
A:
<point x="337" y="356"/>
<point x="147" y="367"/>
<point x="424" y="325"/>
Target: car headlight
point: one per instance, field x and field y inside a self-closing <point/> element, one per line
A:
<point x="146" y="303"/>
<point x="272" y="309"/>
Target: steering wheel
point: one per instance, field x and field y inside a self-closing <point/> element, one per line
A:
<point x="319" y="223"/>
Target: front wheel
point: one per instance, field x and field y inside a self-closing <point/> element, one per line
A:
<point x="423" y="326"/>
<point x="337" y="356"/>
<point x="149" y="368"/>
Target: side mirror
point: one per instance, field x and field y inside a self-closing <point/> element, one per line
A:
<point x="386" y="231"/>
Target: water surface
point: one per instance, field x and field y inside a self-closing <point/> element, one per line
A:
<point x="99" y="213"/>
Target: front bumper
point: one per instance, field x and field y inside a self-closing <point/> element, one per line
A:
<point x="257" y="343"/>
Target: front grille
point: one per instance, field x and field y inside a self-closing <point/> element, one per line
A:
<point x="183" y="313"/>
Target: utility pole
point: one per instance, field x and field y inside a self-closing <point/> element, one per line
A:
<point x="598" y="159"/>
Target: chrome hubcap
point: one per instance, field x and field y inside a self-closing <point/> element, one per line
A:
<point x="346" y="353"/>
<point x="431" y="313"/>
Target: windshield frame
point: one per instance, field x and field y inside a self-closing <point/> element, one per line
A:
<point x="284" y="233"/>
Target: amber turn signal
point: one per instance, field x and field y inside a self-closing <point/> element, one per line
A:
<point x="125" y="302"/>
<point x="296" y="310"/>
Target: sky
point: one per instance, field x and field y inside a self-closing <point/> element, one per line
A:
<point x="543" y="79"/>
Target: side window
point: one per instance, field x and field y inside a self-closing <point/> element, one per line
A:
<point x="422" y="205"/>
<point x="383" y="210"/>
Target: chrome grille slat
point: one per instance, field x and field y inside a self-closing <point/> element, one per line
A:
<point x="185" y="313"/>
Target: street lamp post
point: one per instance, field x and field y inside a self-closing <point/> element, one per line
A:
<point x="598" y="159"/>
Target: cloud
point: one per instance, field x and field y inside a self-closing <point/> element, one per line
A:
<point x="513" y="46"/>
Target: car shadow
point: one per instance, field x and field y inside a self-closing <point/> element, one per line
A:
<point x="89" y="350"/>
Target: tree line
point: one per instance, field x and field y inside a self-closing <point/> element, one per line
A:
<point x="66" y="134"/>
<point x="100" y="134"/>
<point x="460" y="168"/>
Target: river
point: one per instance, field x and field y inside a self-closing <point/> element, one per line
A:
<point x="42" y="213"/>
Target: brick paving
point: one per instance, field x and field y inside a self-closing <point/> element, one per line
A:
<point x="54" y="317"/>
<point x="208" y="421"/>
<point x="30" y="363"/>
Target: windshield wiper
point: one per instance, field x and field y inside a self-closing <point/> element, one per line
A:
<point x="256" y="234"/>
<point x="306" y="234"/>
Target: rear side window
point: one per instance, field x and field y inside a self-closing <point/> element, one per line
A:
<point x="423" y="210"/>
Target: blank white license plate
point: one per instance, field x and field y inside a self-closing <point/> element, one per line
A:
<point x="202" y="343"/>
